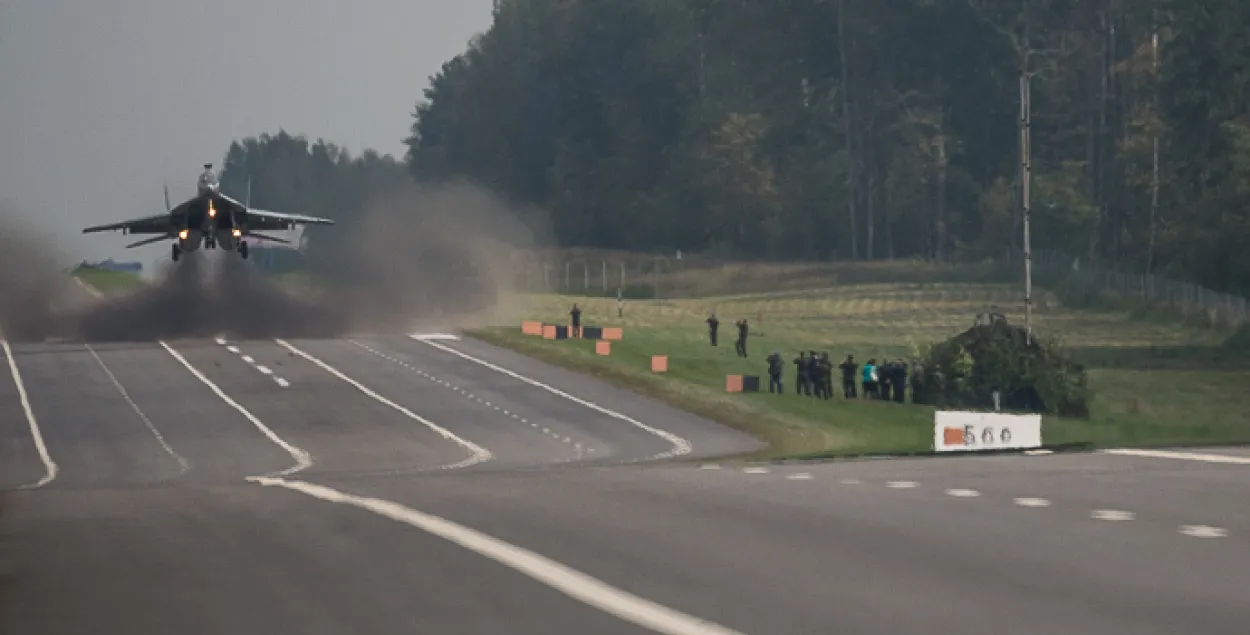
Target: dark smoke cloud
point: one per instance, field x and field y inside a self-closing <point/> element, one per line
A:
<point x="415" y="258"/>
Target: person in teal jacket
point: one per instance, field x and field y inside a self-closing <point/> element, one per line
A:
<point x="870" y="378"/>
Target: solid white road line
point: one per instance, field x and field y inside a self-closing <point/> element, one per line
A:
<point x="182" y="462"/>
<point x="50" y="466"/>
<point x="1183" y="456"/>
<point x="573" y="583"/>
<point x="681" y="446"/>
<point x="303" y="460"/>
<point x="478" y="453"/>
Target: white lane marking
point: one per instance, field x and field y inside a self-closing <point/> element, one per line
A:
<point x="709" y="466"/>
<point x="560" y="577"/>
<point x="851" y="481"/>
<point x="249" y="359"/>
<point x="182" y="462"/>
<point x="801" y="476"/>
<point x="680" y="446"/>
<point x="901" y="484"/>
<point x="754" y="470"/>
<point x="1203" y="531"/>
<point x="1183" y="456"/>
<point x="436" y="336"/>
<point x="963" y="493"/>
<point x="303" y="460"/>
<point x="1038" y="452"/>
<point x="1111" y="514"/>
<point x="1032" y="502"/>
<point x="478" y="454"/>
<point x="50" y="467"/>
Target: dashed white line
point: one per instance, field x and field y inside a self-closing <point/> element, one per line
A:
<point x="851" y="481"/>
<point x="901" y="484"/>
<point x="963" y="493"/>
<point x="233" y="349"/>
<point x="50" y="467"/>
<point x="264" y="370"/>
<point x="248" y="359"/>
<point x="478" y="454"/>
<point x="1182" y="456"/>
<point x="754" y="470"/>
<point x="680" y="446"/>
<point x="573" y="583"/>
<point x="801" y="476"/>
<point x="1032" y="502"/>
<point x="1111" y="515"/>
<point x="1203" y="531"/>
<point x="441" y="382"/>
<point x="282" y="382"/>
<point x="709" y="466"/>
<point x="303" y="460"/>
<point x="182" y="462"/>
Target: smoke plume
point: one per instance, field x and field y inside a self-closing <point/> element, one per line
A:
<point x="420" y="257"/>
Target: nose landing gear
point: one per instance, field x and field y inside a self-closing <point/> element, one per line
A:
<point x="243" y="250"/>
<point x="176" y="252"/>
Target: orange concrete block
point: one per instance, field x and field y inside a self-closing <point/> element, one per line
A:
<point x="532" y="328"/>
<point x="659" y="363"/>
<point x="733" y="383"/>
<point x="613" y="334"/>
<point x="549" y="331"/>
<point x="603" y="348"/>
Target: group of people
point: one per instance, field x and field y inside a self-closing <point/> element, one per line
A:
<point x="814" y="377"/>
<point x="886" y="381"/>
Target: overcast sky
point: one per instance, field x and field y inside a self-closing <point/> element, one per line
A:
<point x="102" y="100"/>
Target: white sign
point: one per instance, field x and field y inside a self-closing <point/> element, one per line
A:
<point x="969" y="431"/>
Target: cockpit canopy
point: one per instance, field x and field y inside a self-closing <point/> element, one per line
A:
<point x="208" y="179"/>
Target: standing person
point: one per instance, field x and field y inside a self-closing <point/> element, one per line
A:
<point x="899" y="381"/>
<point x="885" y="372"/>
<point x="802" y="366"/>
<point x="743" y="329"/>
<point x="576" y="315"/>
<point x="816" y="374"/>
<point x="712" y="325"/>
<point x="869" y="379"/>
<point x="848" y="377"/>
<point x="775" y="366"/>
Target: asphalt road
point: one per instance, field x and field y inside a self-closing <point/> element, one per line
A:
<point x="389" y="485"/>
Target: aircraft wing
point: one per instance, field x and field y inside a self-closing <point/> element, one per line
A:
<point x="159" y="224"/>
<point x="265" y="220"/>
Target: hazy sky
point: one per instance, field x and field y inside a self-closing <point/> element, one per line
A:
<point x="102" y="100"/>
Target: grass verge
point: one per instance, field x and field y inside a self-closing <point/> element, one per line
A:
<point x="109" y="281"/>
<point x="1183" y="400"/>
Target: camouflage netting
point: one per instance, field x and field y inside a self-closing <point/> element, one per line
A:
<point x="1030" y="376"/>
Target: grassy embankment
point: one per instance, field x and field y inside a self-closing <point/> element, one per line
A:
<point x="1156" y="383"/>
<point x="108" y="281"/>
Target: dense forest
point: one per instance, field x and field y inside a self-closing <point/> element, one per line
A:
<point x="853" y="129"/>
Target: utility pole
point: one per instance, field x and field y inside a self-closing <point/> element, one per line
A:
<point x="1026" y="169"/>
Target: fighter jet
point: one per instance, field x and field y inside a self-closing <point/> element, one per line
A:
<point x="209" y="218"/>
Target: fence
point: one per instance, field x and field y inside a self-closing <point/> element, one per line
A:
<point x="1077" y="284"/>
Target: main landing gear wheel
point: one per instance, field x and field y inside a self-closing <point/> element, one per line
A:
<point x="176" y="252"/>
<point x="243" y="250"/>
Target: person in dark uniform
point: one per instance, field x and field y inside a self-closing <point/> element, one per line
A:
<point x="899" y="381"/>
<point x="576" y="315"/>
<point x="775" y="366"/>
<point x="800" y="377"/>
<point x="884" y="373"/>
<point x="712" y="325"/>
<point x="848" y="377"/>
<point x="816" y="374"/>
<point x="742" y="337"/>
<point x="917" y="382"/>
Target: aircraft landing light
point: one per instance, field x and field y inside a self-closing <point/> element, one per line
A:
<point x="183" y="234"/>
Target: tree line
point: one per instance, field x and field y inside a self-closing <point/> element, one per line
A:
<point x="860" y="129"/>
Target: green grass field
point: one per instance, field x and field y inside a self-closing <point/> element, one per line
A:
<point x="107" y="281"/>
<point x="1156" y="383"/>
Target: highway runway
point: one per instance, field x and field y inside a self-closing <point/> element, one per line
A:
<point x="402" y="485"/>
